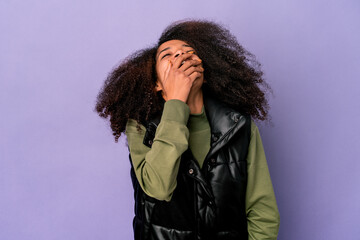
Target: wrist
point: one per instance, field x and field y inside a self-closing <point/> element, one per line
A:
<point x="176" y="110"/>
<point x="181" y="97"/>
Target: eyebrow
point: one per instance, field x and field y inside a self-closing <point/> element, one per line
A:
<point x="184" y="45"/>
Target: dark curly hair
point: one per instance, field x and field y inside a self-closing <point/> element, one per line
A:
<point x="232" y="74"/>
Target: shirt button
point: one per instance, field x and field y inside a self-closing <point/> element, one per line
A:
<point x="213" y="160"/>
<point x="191" y="171"/>
<point x="150" y="142"/>
<point x="215" y="139"/>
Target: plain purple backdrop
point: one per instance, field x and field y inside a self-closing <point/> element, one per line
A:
<point x="63" y="177"/>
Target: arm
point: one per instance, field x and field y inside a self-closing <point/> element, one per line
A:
<point x="261" y="208"/>
<point x="156" y="168"/>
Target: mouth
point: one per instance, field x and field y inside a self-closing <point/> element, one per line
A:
<point x="182" y="63"/>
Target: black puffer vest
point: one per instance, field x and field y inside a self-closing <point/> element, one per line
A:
<point x="208" y="203"/>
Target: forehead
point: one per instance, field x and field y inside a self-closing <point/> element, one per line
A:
<point x="171" y="44"/>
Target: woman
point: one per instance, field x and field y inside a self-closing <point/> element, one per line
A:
<point x="198" y="166"/>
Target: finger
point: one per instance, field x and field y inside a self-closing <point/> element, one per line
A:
<point x="188" y="63"/>
<point x="178" y="61"/>
<point x="167" y="71"/>
<point x="194" y="76"/>
<point x="192" y="69"/>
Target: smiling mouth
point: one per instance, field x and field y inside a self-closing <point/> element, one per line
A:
<point x="182" y="63"/>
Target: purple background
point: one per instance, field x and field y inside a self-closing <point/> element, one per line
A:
<point x="63" y="177"/>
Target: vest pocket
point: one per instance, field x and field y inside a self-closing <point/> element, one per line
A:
<point x="231" y="235"/>
<point x="163" y="233"/>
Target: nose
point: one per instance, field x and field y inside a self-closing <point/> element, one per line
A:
<point x="178" y="53"/>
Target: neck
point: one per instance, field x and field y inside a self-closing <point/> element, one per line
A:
<point x="195" y="102"/>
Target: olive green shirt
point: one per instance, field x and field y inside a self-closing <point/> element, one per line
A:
<point x="156" y="168"/>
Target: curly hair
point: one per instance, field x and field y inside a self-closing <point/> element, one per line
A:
<point x="232" y="74"/>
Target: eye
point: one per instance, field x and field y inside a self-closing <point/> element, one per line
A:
<point x="168" y="54"/>
<point x="191" y="51"/>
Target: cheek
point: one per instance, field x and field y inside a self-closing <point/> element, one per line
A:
<point x="160" y="69"/>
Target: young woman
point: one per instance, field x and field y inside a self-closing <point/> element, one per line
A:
<point x="197" y="162"/>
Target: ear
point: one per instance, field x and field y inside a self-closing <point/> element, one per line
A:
<point x="158" y="86"/>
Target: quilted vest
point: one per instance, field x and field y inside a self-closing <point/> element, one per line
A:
<point x="208" y="203"/>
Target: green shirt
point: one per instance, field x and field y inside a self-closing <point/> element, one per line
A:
<point x="156" y="168"/>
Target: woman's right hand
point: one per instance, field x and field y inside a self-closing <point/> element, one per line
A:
<point x="178" y="78"/>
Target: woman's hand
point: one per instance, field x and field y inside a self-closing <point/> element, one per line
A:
<point x="179" y="76"/>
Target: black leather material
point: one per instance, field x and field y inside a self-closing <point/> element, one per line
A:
<point x="150" y="131"/>
<point x="208" y="203"/>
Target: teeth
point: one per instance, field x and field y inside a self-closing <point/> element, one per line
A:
<point x="182" y="63"/>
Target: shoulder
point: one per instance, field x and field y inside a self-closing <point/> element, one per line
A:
<point x="254" y="127"/>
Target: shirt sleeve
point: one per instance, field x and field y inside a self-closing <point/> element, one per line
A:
<point x="156" y="168"/>
<point x="261" y="208"/>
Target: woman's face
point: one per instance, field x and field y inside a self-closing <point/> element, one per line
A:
<point x="169" y="51"/>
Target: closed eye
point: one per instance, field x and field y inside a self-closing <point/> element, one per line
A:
<point x="168" y="54"/>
